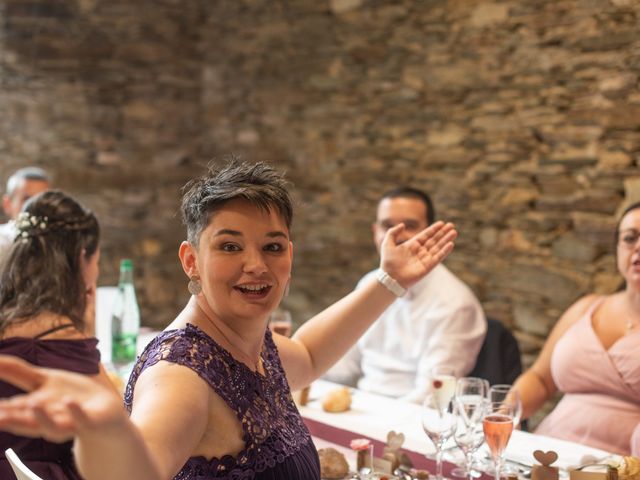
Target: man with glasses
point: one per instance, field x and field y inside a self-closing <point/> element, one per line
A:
<point x="437" y="322"/>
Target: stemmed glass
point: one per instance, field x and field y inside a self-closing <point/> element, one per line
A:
<point x="469" y="403"/>
<point x="439" y="421"/>
<point x="443" y="380"/>
<point x="280" y="322"/>
<point x="497" y="425"/>
<point x="504" y="393"/>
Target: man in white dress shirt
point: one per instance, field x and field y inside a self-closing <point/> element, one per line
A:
<point x="21" y="186"/>
<point x="437" y="322"/>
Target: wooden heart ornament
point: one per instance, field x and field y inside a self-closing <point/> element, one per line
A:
<point x="395" y="440"/>
<point x="545" y="458"/>
<point x="544" y="471"/>
<point x="391" y="451"/>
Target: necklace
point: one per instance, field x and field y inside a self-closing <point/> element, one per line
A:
<point x="255" y="364"/>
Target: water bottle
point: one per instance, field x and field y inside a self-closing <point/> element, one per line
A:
<point x="125" y="320"/>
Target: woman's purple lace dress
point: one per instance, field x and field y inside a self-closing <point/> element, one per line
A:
<point x="277" y="443"/>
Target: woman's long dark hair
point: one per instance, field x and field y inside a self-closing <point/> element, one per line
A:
<point x="42" y="272"/>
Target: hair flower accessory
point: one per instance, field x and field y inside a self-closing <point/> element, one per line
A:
<point x="29" y="225"/>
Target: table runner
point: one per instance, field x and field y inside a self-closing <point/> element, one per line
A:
<point x="343" y="437"/>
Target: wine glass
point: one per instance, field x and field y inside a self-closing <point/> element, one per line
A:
<point x="504" y="393"/>
<point x="439" y="421"/>
<point x="469" y="436"/>
<point x="469" y="403"/>
<point x="443" y="379"/>
<point x="497" y="424"/>
<point x="280" y="322"/>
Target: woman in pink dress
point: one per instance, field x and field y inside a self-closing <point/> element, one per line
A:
<point x="592" y="357"/>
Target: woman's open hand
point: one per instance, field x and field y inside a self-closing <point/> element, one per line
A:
<point x="58" y="404"/>
<point x="409" y="261"/>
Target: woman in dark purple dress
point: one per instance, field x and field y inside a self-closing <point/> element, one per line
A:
<point x="210" y="398"/>
<point x="48" y="279"/>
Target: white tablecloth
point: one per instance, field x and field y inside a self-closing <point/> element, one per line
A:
<point x="374" y="416"/>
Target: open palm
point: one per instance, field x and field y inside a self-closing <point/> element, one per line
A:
<point x="58" y="404"/>
<point x="409" y="261"/>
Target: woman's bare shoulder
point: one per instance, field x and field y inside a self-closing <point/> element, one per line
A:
<point x="575" y="312"/>
<point x="580" y="306"/>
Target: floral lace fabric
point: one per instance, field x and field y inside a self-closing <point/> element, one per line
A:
<point x="277" y="443"/>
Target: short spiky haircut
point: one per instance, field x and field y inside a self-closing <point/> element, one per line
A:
<point x="259" y="184"/>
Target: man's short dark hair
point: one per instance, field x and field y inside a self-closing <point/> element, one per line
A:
<point x="410" y="192"/>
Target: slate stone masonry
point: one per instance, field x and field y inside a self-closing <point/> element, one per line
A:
<point x="521" y="118"/>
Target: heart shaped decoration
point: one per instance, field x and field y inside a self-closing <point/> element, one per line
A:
<point x="395" y="440"/>
<point x="545" y="458"/>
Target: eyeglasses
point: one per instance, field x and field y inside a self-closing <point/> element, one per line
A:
<point x="628" y="238"/>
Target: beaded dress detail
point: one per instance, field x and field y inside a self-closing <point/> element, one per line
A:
<point x="277" y="443"/>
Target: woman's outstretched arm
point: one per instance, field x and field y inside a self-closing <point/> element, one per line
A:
<point x="322" y="340"/>
<point x="61" y="406"/>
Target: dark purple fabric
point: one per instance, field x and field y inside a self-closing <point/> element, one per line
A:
<point x="52" y="461"/>
<point x="277" y="443"/>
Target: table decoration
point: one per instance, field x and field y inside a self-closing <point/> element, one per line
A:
<point x="629" y="468"/>
<point x="625" y="468"/>
<point x="393" y="451"/>
<point x="544" y="471"/>
<point x="364" y="453"/>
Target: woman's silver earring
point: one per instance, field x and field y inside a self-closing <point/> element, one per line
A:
<point x="194" y="286"/>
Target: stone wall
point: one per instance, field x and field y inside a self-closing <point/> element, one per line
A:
<point x="521" y="118"/>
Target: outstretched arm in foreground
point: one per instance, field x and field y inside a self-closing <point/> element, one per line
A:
<point x="59" y="406"/>
<point x="163" y="431"/>
<point x="321" y="341"/>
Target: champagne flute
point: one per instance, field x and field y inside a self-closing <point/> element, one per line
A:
<point x="468" y="436"/>
<point x="497" y="425"/>
<point x="469" y="402"/>
<point x="505" y="393"/>
<point x="280" y="322"/>
<point x="439" y="422"/>
<point x="443" y="380"/>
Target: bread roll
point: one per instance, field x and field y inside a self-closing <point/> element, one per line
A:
<point x="338" y="400"/>
<point x="333" y="465"/>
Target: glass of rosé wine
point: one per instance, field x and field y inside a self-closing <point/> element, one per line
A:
<point x="507" y="394"/>
<point x="497" y="425"/>
<point x="280" y="322"/>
